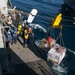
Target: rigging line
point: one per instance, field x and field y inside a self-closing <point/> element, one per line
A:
<point x="68" y="20"/>
<point x="65" y="20"/>
<point x="61" y="35"/>
<point x="62" y="40"/>
<point x="53" y="34"/>
<point x="62" y="20"/>
<point x="68" y="26"/>
<point x="71" y="51"/>
<point x="68" y="17"/>
<point x="51" y="31"/>
<point x="62" y="17"/>
<point x="62" y="25"/>
<point x="58" y="37"/>
<point x="49" y="28"/>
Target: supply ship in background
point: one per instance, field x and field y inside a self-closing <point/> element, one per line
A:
<point x="70" y="3"/>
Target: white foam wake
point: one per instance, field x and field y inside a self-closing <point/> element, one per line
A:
<point x="37" y="26"/>
<point x="71" y="51"/>
<point x="60" y="69"/>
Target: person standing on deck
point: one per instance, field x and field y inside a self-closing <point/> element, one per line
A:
<point x="8" y="38"/>
<point x="23" y="27"/>
<point x="24" y="24"/>
<point x="31" y="34"/>
<point x="14" y="35"/>
<point x="26" y="35"/>
<point x="9" y="21"/>
<point x="19" y="30"/>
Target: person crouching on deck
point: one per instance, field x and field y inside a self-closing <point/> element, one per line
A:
<point x="14" y="35"/>
<point x="26" y="35"/>
<point x="8" y="38"/>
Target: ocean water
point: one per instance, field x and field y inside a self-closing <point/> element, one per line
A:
<point x="48" y="9"/>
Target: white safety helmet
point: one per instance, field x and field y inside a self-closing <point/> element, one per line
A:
<point x="9" y="17"/>
<point x="9" y="32"/>
<point x="23" y="24"/>
<point x="24" y="21"/>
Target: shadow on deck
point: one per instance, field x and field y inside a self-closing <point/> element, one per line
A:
<point x="19" y="67"/>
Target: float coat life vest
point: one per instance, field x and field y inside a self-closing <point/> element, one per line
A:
<point x="26" y="34"/>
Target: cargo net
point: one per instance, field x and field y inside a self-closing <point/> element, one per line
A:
<point x="47" y="44"/>
<point x="56" y="54"/>
<point x="60" y="69"/>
